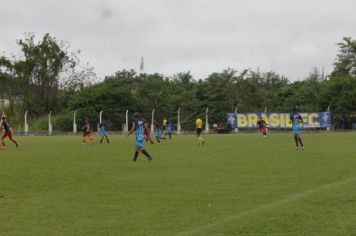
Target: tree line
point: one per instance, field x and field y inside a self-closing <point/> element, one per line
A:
<point x="48" y="76"/>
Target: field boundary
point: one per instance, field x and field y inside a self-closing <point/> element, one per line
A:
<point x="288" y="199"/>
<point x="186" y="132"/>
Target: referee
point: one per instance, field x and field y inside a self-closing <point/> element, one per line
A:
<point x="199" y="128"/>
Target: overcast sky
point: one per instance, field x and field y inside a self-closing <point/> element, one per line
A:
<point x="289" y="37"/>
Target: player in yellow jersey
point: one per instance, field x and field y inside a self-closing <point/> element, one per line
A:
<point x="164" y="127"/>
<point x="199" y="128"/>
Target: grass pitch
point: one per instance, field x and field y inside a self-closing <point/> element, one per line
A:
<point x="234" y="185"/>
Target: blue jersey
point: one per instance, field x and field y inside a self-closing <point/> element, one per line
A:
<point x="169" y="127"/>
<point x="139" y="131"/>
<point x="296" y="120"/>
<point x="102" y="131"/>
<point x="139" y="127"/>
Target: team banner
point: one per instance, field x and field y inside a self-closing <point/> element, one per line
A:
<point x="278" y="120"/>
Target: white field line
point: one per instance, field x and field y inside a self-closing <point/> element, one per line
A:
<point x="294" y="197"/>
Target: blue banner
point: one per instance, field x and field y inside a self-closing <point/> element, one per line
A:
<point x="232" y="120"/>
<point x="279" y="120"/>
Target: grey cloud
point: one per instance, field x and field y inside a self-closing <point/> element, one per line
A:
<point x="287" y="36"/>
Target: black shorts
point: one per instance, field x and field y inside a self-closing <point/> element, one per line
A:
<point x="199" y="131"/>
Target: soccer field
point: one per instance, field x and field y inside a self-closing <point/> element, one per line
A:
<point x="234" y="185"/>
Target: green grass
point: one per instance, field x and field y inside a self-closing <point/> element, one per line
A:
<point x="234" y="185"/>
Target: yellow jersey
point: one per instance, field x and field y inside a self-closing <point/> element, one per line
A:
<point x="164" y="122"/>
<point x="199" y="123"/>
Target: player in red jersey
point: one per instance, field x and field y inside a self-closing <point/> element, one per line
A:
<point x="7" y="133"/>
<point x="262" y="126"/>
<point x="86" y="131"/>
<point x="147" y="133"/>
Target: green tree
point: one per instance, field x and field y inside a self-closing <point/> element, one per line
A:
<point x="184" y="96"/>
<point x="345" y="63"/>
<point x="44" y="72"/>
<point x="340" y="93"/>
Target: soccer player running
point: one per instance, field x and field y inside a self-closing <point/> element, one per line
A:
<point x="102" y="133"/>
<point x="147" y="133"/>
<point x="199" y="129"/>
<point x="158" y="131"/>
<point x="138" y="126"/>
<point x="296" y="120"/>
<point x="86" y="131"/>
<point x="261" y="124"/>
<point x="7" y="133"/>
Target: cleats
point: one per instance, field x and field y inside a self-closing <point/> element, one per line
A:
<point x="149" y="159"/>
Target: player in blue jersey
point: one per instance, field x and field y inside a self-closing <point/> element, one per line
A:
<point x="139" y="126"/>
<point x="102" y="133"/>
<point x="158" y="134"/>
<point x="169" y="128"/>
<point x="297" y="121"/>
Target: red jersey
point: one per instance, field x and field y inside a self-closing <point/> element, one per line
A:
<point x="6" y="126"/>
<point x="86" y="127"/>
<point x="261" y="124"/>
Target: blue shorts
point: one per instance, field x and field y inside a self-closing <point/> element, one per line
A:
<point x="102" y="134"/>
<point x="158" y="133"/>
<point x="296" y="130"/>
<point x="139" y="141"/>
